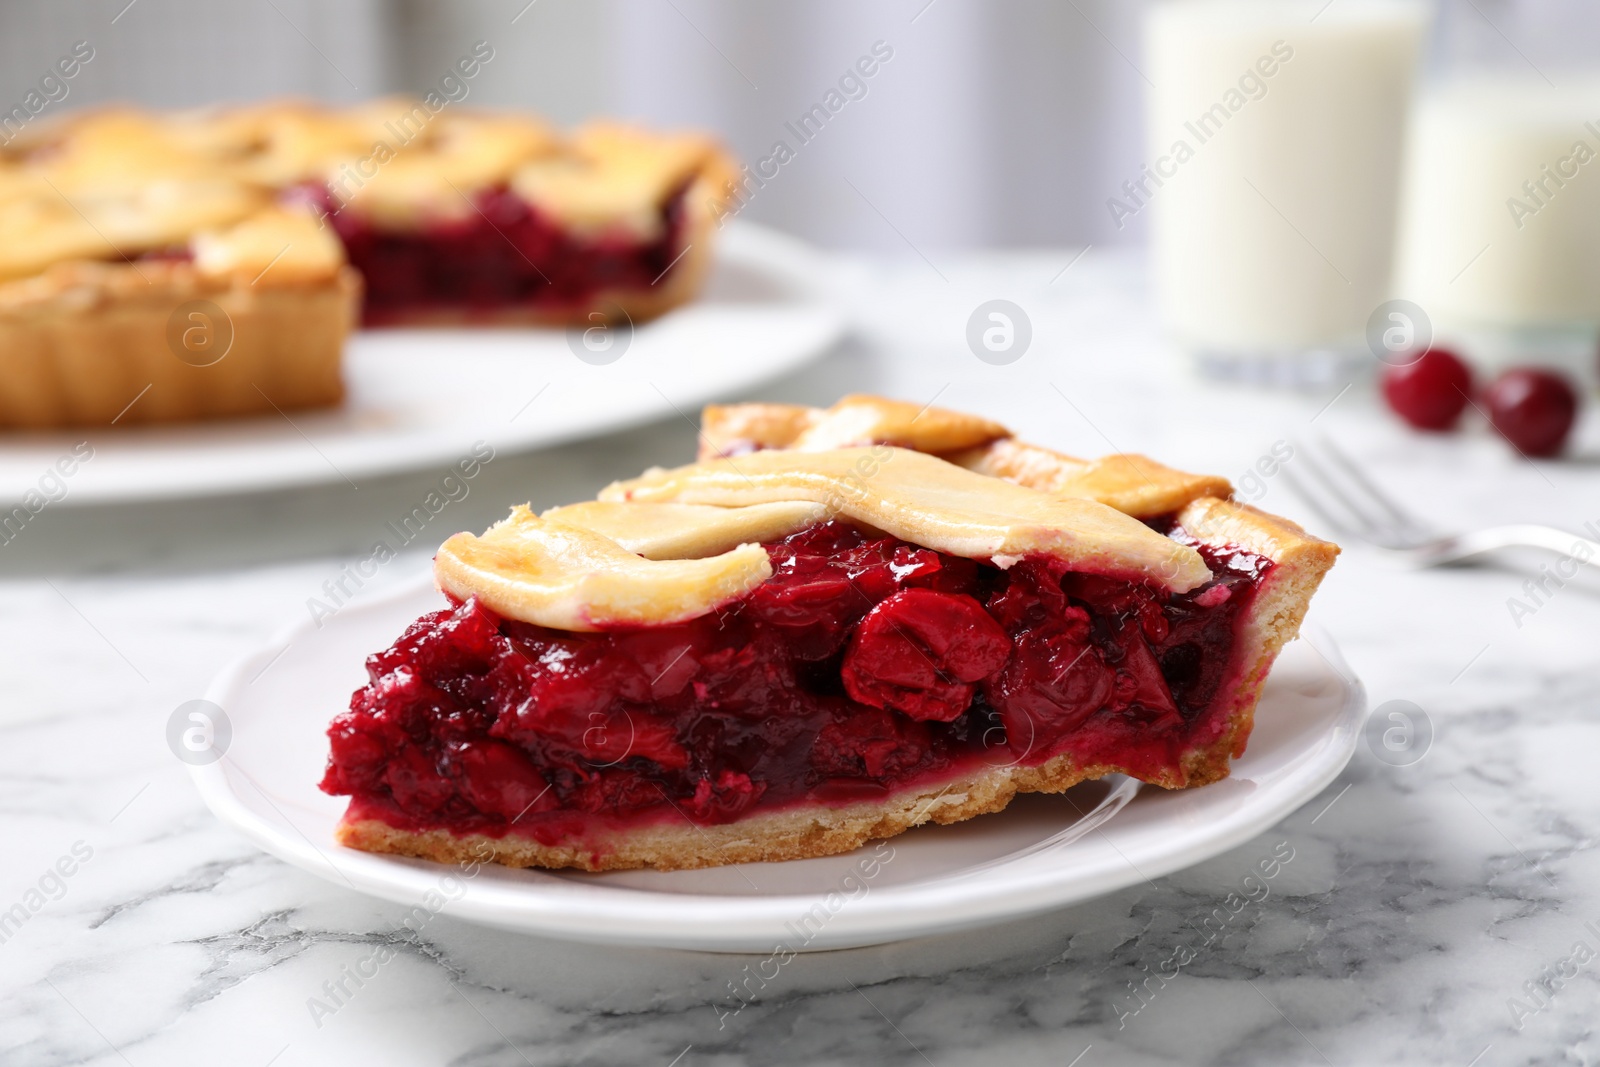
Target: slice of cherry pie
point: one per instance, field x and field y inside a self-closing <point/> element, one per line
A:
<point x="278" y="224"/>
<point x="848" y="623"/>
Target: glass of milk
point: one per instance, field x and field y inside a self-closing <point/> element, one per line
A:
<point x="1500" y="217"/>
<point x="1275" y="135"/>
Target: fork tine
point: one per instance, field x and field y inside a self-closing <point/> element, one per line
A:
<point x="1401" y="517"/>
<point x="1368" y="525"/>
<point x="1318" y="504"/>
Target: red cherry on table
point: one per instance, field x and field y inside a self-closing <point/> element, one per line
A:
<point x="1533" y="408"/>
<point x="1431" y="391"/>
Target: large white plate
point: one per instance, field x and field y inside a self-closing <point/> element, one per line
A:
<point x="420" y="398"/>
<point x="1035" y="856"/>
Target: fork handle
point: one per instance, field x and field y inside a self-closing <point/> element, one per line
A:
<point x="1580" y="550"/>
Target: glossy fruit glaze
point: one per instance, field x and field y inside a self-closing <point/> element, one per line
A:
<point x="503" y="254"/>
<point x="863" y="665"/>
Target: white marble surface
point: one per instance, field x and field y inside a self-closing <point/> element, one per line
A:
<point x="1419" y="903"/>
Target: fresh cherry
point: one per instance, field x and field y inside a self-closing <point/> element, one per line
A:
<point x="1430" y="392"/>
<point x="1533" y="409"/>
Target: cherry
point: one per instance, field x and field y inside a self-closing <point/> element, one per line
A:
<point x="1533" y="408"/>
<point x="919" y="652"/>
<point x="1430" y="392"/>
<point x="726" y="798"/>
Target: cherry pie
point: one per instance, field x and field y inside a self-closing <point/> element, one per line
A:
<point x="280" y="224"/>
<point x="837" y="625"/>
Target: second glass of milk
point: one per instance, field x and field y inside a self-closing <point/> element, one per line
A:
<point x="1275" y="134"/>
<point x="1500" y="217"/>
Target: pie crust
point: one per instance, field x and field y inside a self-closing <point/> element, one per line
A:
<point x="112" y="218"/>
<point x="685" y="544"/>
<point x="929" y="502"/>
<point x="1133" y="484"/>
<point x="87" y="344"/>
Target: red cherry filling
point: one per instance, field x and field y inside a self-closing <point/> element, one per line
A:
<point x="504" y="254"/>
<point x="1533" y="409"/>
<point x="919" y="651"/>
<point x="1430" y="392"/>
<point x="864" y="664"/>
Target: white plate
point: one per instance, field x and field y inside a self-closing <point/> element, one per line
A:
<point x="1030" y="858"/>
<point x="420" y="398"/>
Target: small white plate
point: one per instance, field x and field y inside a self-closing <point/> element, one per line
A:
<point x="420" y="398"/>
<point x="1034" y="856"/>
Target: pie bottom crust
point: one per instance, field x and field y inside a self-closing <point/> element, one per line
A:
<point x="802" y="832"/>
<point x="683" y="282"/>
<point x="79" y="344"/>
<point x="805" y="831"/>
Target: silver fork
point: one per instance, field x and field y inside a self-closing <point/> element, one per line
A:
<point x="1353" y="506"/>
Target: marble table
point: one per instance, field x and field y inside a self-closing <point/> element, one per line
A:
<point x="1446" y="911"/>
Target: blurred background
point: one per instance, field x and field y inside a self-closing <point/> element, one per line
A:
<point x="995" y="123"/>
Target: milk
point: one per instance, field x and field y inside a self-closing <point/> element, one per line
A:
<point x="1275" y="133"/>
<point x="1500" y="223"/>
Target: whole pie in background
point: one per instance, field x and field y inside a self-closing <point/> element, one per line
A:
<point x="220" y="257"/>
<point x="836" y="625"/>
